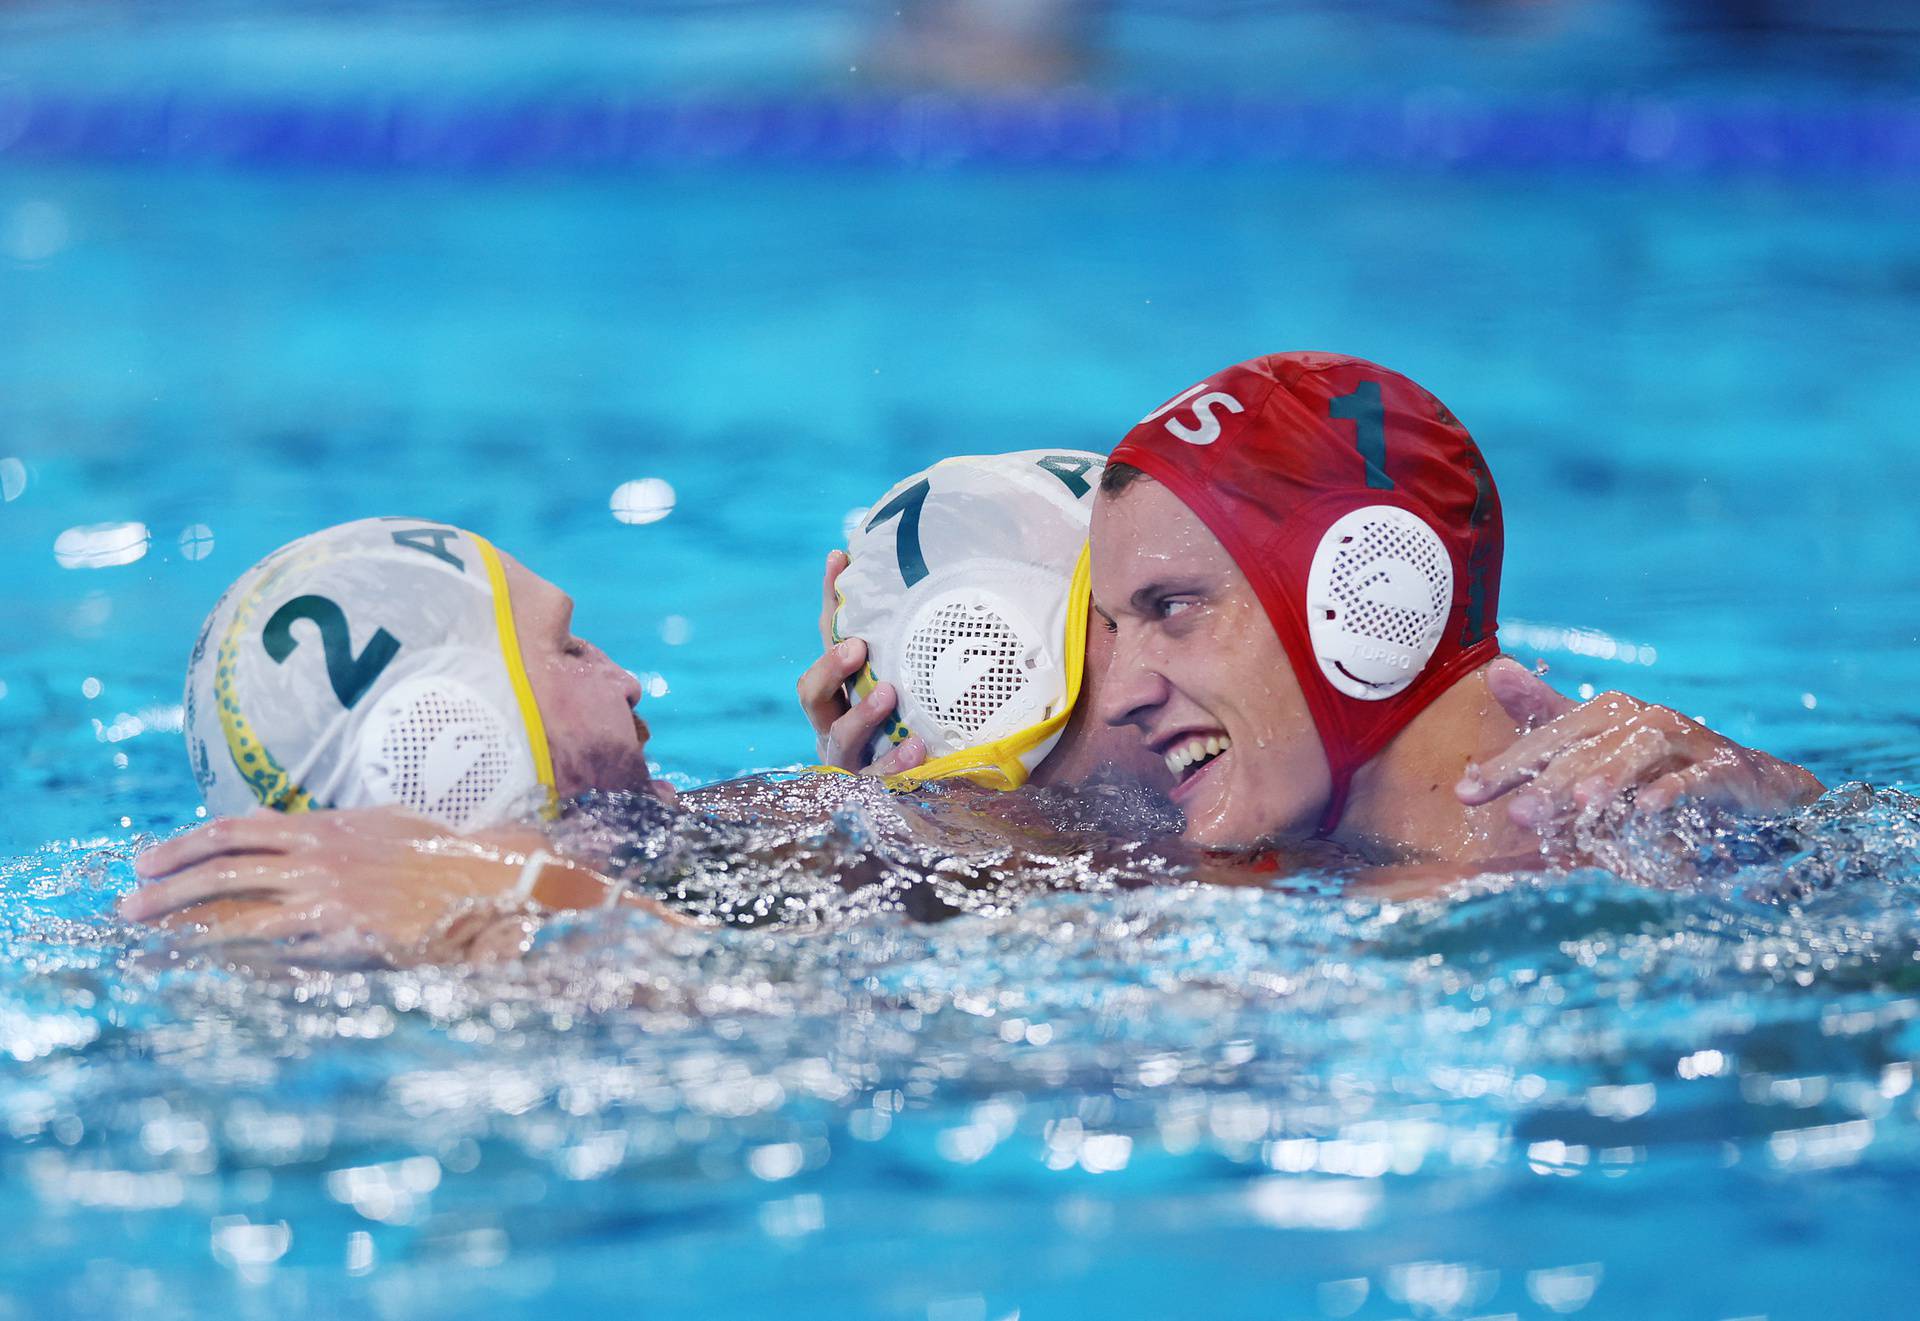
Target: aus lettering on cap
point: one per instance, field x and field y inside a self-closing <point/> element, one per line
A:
<point x="1205" y="427"/>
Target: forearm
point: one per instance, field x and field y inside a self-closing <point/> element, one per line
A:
<point x="553" y="877"/>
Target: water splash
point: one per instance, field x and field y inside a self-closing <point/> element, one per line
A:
<point x="1255" y="1061"/>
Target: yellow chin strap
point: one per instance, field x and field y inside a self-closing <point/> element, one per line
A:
<point x="999" y="764"/>
<point x="517" y="671"/>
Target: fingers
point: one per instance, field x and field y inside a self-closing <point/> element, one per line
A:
<point x="1663" y="794"/>
<point x="837" y="560"/>
<point x="264" y="833"/>
<point x="1524" y="695"/>
<point x="1529" y="753"/>
<point x="266" y="881"/>
<point x="1588" y="780"/>
<point x="903" y="756"/>
<point x="822" y="688"/>
<point x="223" y="921"/>
<point x="1735" y="779"/>
<point x="848" y="741"/>
<point x="1789" y="786"/>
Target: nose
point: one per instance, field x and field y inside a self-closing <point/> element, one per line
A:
<point x="1131" y="689"/>
<point x="629" y="682"/>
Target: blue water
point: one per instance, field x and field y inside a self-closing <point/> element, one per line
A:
<point x="1577" y="1096"/>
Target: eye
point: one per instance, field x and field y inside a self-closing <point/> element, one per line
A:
<point x="1169" y="606"/>
<point x="575" y="647"/>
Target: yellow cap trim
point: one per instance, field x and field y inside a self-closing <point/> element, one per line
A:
<point x="269" y="780"/>
<point x="998" y="765"/>
<point x="271" y="783"/>
<point x="517" y="668"/>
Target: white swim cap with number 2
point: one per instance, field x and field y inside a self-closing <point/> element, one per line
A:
<point x="371" y="663"/>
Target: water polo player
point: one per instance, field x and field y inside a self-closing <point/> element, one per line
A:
<point x="960" y="624"/>
<point x="402" y="662"/>
<point x="1300" y="559"/>
<point x="409" y="888"/>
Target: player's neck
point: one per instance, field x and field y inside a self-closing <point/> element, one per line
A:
<point x="1402" y="803"/>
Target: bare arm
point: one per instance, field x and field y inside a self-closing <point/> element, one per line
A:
<point x="371" y="884"/>
<point x="1615" y="750"/>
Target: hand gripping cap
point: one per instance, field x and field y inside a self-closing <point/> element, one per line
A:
<point x="967" y="585"/>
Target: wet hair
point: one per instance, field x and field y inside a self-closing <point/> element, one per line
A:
<point x="1117" y="477"/>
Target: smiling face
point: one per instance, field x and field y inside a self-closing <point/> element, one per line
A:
<point x="586" y="701"/>
<point x="1198" y="670"/>
<point x="1090" y="750"/>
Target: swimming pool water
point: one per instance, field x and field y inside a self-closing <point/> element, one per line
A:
<point x="1575" y="1096"/>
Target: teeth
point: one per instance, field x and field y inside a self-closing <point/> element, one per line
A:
<point x="1196" y="750"/>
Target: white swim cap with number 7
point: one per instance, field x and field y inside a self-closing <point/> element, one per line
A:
<point x="968" y="583"/>
<point x="368" y="664"/>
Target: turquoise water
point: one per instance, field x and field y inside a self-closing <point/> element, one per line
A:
<point x="1578" y="1096"/>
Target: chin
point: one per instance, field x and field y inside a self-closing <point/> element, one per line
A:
<point x="1225" y="831"/>
<point x="635" y="779"/>
<point x="615" y="771"/>
<point x="1214" y="834"/>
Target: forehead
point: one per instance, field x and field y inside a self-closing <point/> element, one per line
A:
<point x="1144" y="534"/>
<point x="529" y="590"/>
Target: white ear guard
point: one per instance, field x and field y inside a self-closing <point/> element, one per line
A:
<point x="978" y="667"/>
<point x="1378" y="593"/>
<point x="435" y="746"/>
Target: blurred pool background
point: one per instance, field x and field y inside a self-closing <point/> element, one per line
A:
<point x="267" y="267"/>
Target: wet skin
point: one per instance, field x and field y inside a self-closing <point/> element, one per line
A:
<point x="1197" y="673"/>
<point x="1497" y="767"/>
<point x="586" y="701"/>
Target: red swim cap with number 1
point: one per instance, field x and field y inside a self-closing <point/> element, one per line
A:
<point x="1362" y="513"/>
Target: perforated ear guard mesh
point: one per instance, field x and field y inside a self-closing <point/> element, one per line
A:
<point x="435" y="746"/>
<point x="972" y="660"/>
<point x="1378" y="593"/>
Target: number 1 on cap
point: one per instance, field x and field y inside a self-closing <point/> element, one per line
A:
<point x="1361" y="406"/>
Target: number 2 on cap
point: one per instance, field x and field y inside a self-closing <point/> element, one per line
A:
<point x="349" y="674"/>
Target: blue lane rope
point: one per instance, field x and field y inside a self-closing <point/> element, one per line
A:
<point x="939" y="132"/>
